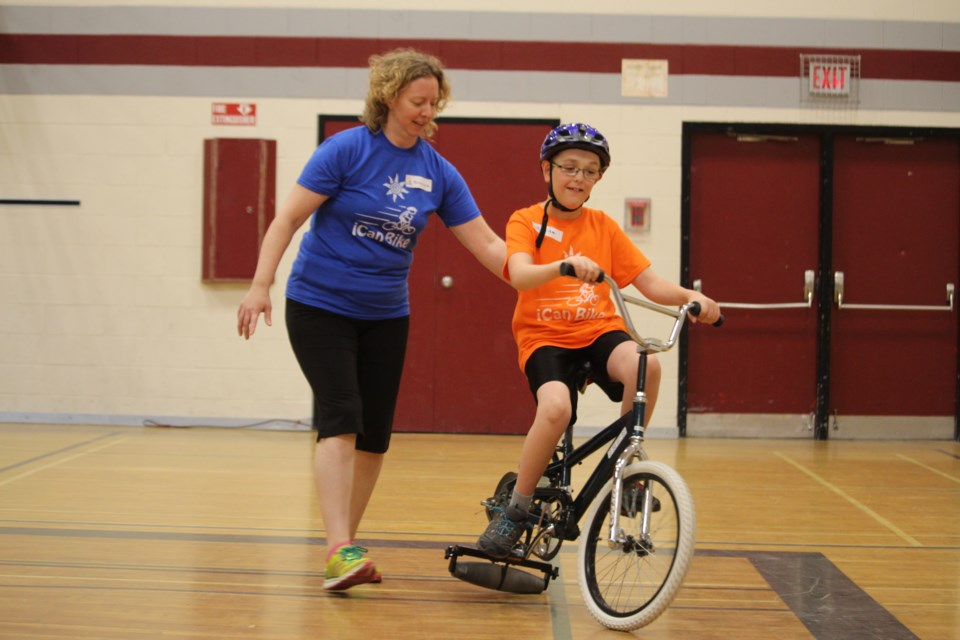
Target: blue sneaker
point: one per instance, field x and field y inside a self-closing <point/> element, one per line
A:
<point x="501" y="535"/>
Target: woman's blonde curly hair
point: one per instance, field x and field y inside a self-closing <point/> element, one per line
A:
<point x="390" y="74"/>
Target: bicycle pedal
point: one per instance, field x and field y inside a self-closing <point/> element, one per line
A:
<point x="515" y="555"/>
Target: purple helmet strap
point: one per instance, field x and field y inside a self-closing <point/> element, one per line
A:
<point x="553" y="200"/>
<point x="543" y="225"/>
<point x="553" y="196"/>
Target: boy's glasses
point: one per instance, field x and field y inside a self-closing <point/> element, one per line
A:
<point x="571" y="171"/>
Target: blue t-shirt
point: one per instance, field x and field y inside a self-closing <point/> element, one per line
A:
<point x="355" y="257"/>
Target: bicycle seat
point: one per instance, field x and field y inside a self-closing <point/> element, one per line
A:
<point x="583" y="377"/>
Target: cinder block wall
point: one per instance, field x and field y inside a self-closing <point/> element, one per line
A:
<point x="104" y="317"/>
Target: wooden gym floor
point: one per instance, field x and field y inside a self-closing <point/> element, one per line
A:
<point x="128" y="533"/>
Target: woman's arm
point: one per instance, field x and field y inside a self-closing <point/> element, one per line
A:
<point x="485" y="245"/>
<point x="294" y="211"/>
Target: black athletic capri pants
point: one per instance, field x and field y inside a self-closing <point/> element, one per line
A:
<point x="571" y="366"/>
<point x="353" y="367"/>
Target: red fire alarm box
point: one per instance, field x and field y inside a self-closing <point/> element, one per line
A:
<point x="239" y="198"/>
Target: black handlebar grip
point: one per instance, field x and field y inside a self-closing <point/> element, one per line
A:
<point x="566" y="269"/>
<point x="695" y="311"/>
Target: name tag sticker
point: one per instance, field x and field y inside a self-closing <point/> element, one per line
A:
<point x="419" y="182"/>
<point x="552" y="232"/>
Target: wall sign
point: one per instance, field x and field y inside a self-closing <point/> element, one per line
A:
<point x="829" y="80"/>
<point x="234" y="113"/>
<point x="636" y="215"/>
<point x="644" y="78"/>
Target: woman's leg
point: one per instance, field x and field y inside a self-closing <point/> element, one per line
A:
<point x="380" y="356"/>
<point x="334" y="469"/>
<point x="366" y="472"/>
<point x="325" y="345"/>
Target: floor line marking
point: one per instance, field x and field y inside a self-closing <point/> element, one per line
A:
<point x="61" y="461"/>
<point x="49" y="454"/>
<point x="859" y="505"/>
<point x="928" y="468"/>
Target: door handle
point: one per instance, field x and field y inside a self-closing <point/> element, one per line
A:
<point x="808" y="286"/>
<point x="838" y="300"/>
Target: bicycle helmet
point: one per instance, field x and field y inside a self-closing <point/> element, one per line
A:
<point x="576" y="136"/>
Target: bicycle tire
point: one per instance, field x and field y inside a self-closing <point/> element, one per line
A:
<point x="630" y="586"/>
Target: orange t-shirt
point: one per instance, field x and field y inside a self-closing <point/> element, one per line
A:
<point x="566" y="312"/>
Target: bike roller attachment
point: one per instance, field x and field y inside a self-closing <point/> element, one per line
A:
<point x="500" y="577"/>
<point x="695" y="311"/>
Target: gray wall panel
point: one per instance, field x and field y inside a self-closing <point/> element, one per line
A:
<point x="480" y="86"/>
<point x="507" y="26"/>
<point x="912" y="35"/>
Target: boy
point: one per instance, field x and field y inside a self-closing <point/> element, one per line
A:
<point x="560" y="322"/>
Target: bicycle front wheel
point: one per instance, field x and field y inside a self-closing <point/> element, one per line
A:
<point x="628" y="585"/>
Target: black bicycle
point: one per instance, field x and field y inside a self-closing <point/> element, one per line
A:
<point x="640" y="518"/>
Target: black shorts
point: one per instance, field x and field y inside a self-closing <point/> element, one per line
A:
<point x="549" y="363"/>
<point x="353" y="367"/>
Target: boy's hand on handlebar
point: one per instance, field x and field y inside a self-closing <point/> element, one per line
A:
<point x="709" y="310"/>
<point x="582" y="268"/>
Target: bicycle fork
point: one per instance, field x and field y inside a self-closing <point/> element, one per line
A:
<point x="633" y="451"/>
<point x="615" y="535"/>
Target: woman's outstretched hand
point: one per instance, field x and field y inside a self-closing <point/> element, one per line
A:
<point x="256" y="301"/>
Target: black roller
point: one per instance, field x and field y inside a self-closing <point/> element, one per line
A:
<point x="499" y="577"/>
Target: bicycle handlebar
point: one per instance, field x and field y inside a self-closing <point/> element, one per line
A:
<point x="649" y="344"/>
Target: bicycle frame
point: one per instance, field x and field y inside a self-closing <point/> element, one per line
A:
<point x="626" y="435"/>
<point x="629" y="427"/>
<point x="650" y="538"/>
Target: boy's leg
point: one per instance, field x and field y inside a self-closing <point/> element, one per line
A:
<point x="551" y="420"/>
<point x="622" y="367"/>
<point x="552" y="417"/>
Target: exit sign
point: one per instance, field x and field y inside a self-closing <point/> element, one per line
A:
<point x="829" y="79"/>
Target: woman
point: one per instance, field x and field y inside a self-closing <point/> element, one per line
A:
<point x="369" y="191"/>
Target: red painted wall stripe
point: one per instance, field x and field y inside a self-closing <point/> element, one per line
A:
<point x="253" y="51"/>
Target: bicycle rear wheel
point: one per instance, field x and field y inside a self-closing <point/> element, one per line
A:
<point x="628" y="586"/>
